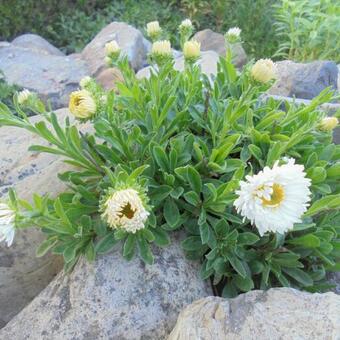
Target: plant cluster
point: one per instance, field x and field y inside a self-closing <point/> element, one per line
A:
<point x="308" y="29"/>
<point x="255" y="189"/>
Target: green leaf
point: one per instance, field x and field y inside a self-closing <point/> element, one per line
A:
<point x="161" y="158"/>
<point x="45" y="246"/>
<point x="69" y="253"/>
<point x="129" y="245"/>
<point x="194" y="179"/>
<point x="237" y="265"/>
<point x="106" y="243"/>
<point x="192" y="243"/>
<point x="148" y="235"/>
<point x="161" y="237"/>
<point x="307" y="241"/>
<point x="247" y="238"/>
<point x="255" y="151"/>
<point x="145" y="251"/>
<point x="171" y="213"/>
<point x="245" y="284"/>
<point x="325" y="203"/>
<point x="90" y="252"/>
<point x="205" y="232"/>
<point x="192" y="198"/>
<point x="299" y="275"/>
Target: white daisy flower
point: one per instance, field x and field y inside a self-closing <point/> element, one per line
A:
<point x="7" y="226"/>
<point x="153" y="29"/>
<point x="125" y="209"/>
<point x="276" y="198"/>
<point x="162" y="47"/>
<point x="264" y="70"/>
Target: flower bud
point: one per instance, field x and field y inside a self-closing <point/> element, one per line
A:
<point x="85" y="81"/>
<point x="153" y="30"/>
<point x="329" y="123"/>
<point x="82" y="105"/>
<point x="24" y="96"/>
<point x="233" y="35"/>
<point x="162" y="47"/>
<point x="191" y="50"/>
<point x="7" y="224"/>
<point x="112" y="47"/>
<point x="264" y="70"/>
<point x="185" y="25"/>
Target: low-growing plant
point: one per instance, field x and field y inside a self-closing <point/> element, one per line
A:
<point x="308" y="29"/>
<point x="255" y="189"/>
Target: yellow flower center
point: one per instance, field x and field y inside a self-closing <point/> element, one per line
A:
<point x="127" y="211"/>
<point x="276" y="197"/>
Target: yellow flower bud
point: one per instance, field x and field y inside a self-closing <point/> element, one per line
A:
<point x="112" y="47"/>
<point x="329" y="123"/>
<point x="162" y="47"/>
<point x="82" y="104"/>
<point x="153" y="29"/>
<point x="264" y="70"/>
<point x="191" y="49"/>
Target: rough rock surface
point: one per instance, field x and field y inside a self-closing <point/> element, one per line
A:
<point x="52" y="77"/>
<point x="280" y="313"/>
<point x="37" y="43"/>
<point x="112" y="299"/>
<point x="129" y="39"/>
<point x="22" y="274"/>
<point x="208" y="63"/>
<point x="213" y="41"/>
<point x="109" y="77"/>
<point x="304" y="81"/>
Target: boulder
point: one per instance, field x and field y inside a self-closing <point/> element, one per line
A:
<point x="129" y="39"/>
<point x="113" y="299"/>
<point x="109" y="77"/>
<point x="213" y="41"/>
<point x="22" y="274"/>
<point x="279" y="313"/>
<point x="52" y="77"/>
<point x="304" y="81"/>
<point x="207" y="62"/>
<point x="36" y="43"/>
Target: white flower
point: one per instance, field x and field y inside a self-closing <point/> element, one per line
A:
<point x="23" y="96"/>
<point x="233" y="34"/>
<point x="85" y="81"/>
<point x="7" y="227"/>
<point x="276" y="198"/>
<point x="112" y="47"/>
<point x="191" y="49"/>
<point x="185" y="24"/>
<point x="264" y="70"/>
<point x="125" y="209"/>
<point x="162" y="47"/>
<point x="153" y="29"/>
<point x="81" y="104"/>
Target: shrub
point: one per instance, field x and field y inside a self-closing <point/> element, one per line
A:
<point x="309" y="29"/>
<point x="179" y="151"/>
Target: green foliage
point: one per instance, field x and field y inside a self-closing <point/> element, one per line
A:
<point x="308" y="29"/>
<point x="189" y="140"/>
<point x="6" y="91"/>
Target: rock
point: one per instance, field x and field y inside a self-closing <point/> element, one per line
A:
<point x="36" y="43"/>
<point x="304" y="81"/>
<point x="112" y="299"/>
<point x="334" y="278"/>
<point x="109" y="77"/>
<point x="208" y="63"/>
<point x="22" y="274"/>
<point x="279" y="313"/>
<point x="52" y="77"/>
<point x="213" y="41"/>
<point x="129" y="39"/>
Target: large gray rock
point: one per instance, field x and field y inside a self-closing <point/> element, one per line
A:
<point x="22" y="274"/>
<point x="129" y="39"/>
<point x="304" y="80"/>
<point x="112" y="299"/>
<point x="279" y="313"/>
<point x="208" y="63"/>
<point x="213" y="41"/>
<point x="52" y="77"/>
<point x="36" y="43"/>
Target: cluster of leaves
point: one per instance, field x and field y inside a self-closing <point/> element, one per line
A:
<point x="308" y="29"/>
<point x="189" y="140"/>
